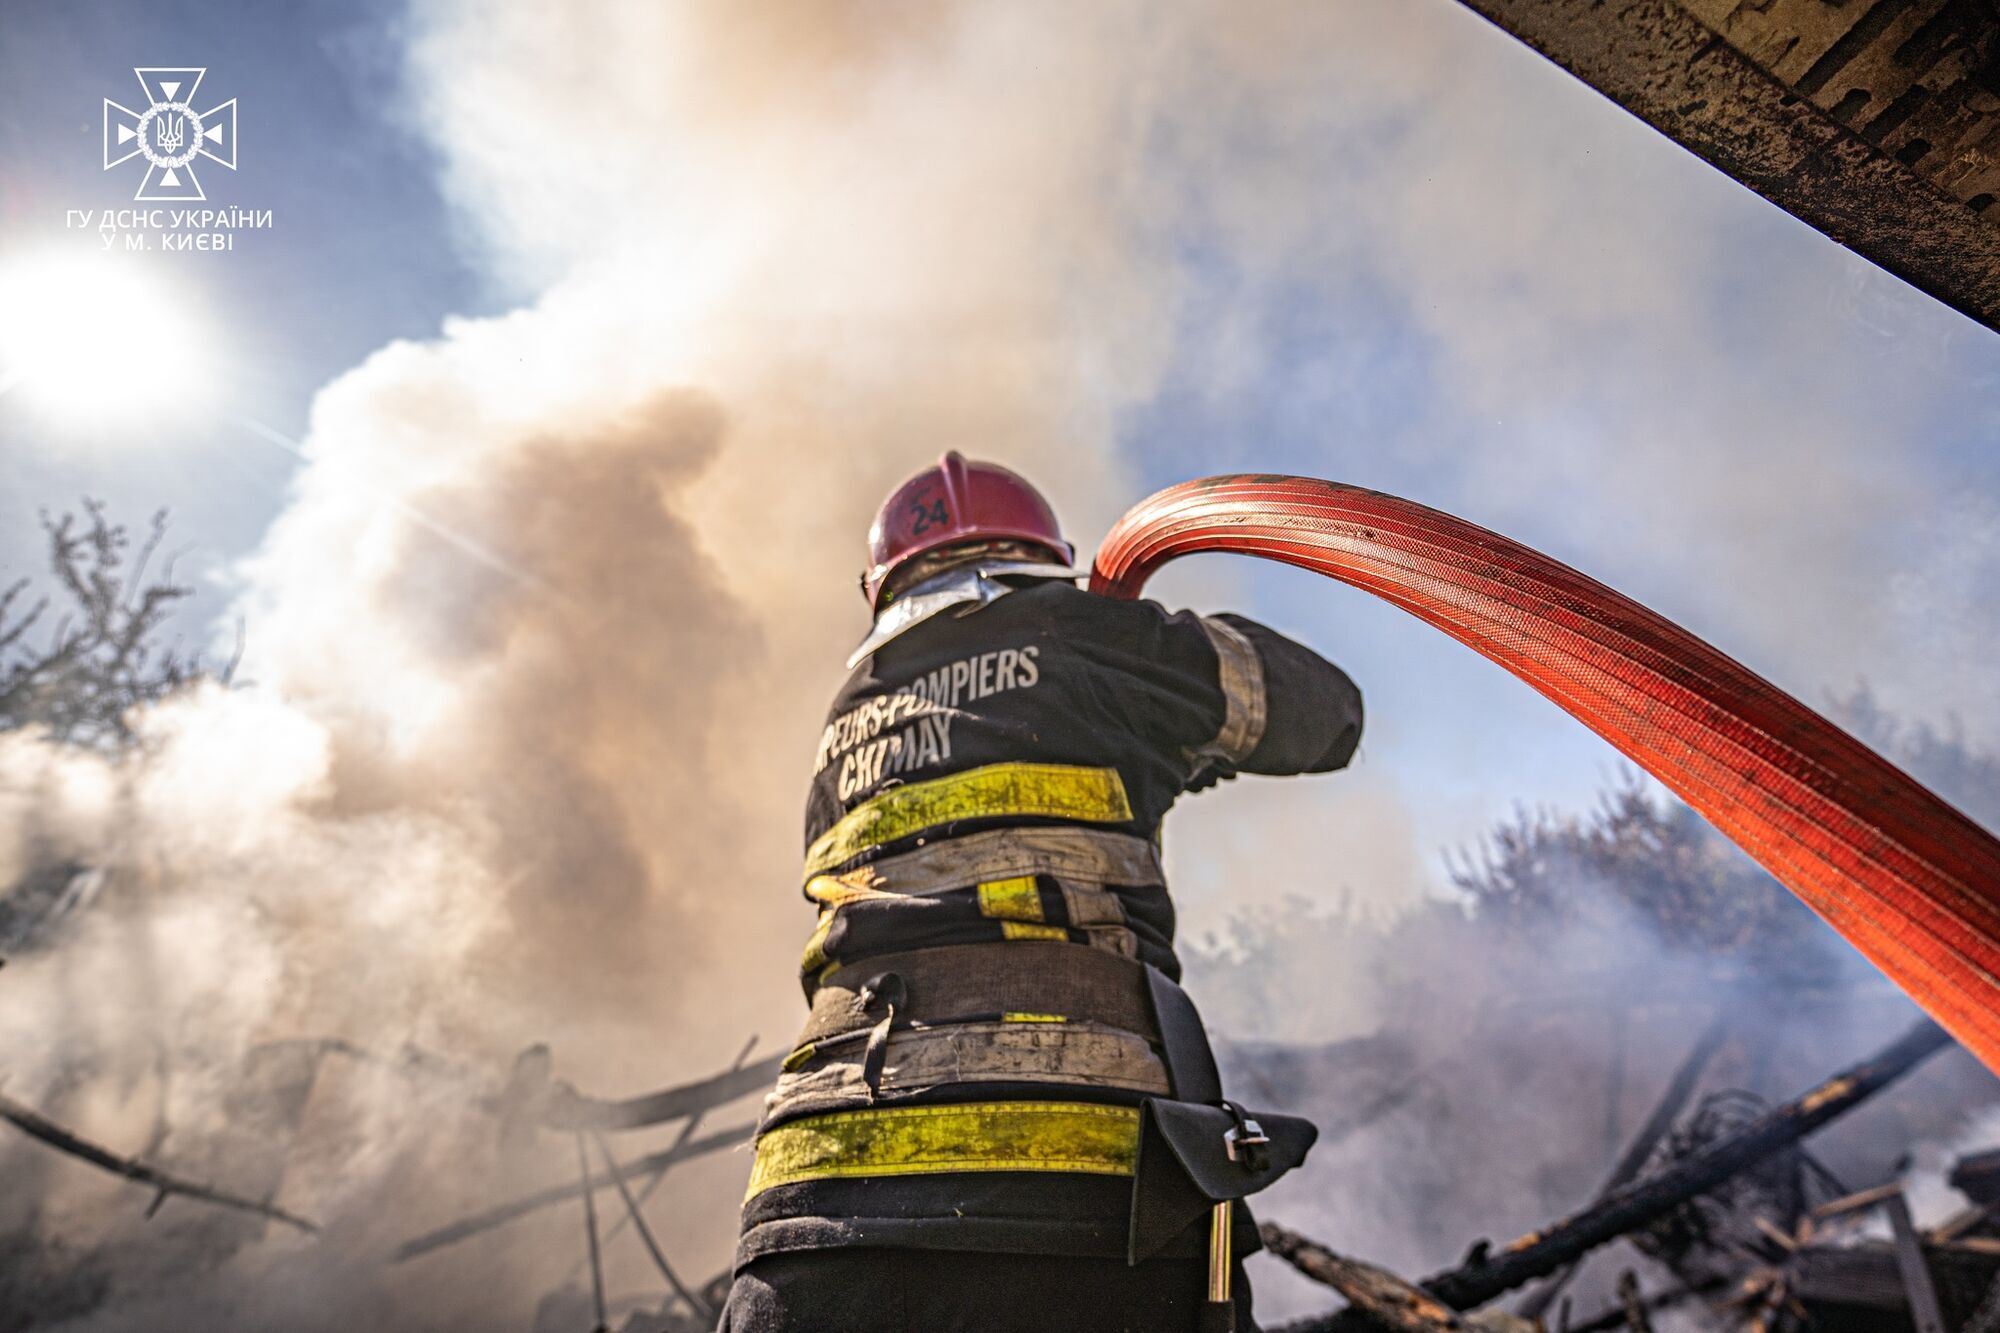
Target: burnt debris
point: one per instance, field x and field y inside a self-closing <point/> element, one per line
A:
<point x="1723" y="1206"/>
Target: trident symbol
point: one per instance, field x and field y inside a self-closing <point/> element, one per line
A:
<point x="170" y="131"/>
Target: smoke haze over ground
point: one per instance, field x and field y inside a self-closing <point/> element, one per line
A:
<point x="544" y="632"/>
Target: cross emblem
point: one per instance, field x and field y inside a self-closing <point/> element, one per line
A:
<point x="170" y="134"/>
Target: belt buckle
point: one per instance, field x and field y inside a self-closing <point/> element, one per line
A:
<point x="1245" y="1141"/>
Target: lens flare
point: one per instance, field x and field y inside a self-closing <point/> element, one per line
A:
<point x="99" y="340"/>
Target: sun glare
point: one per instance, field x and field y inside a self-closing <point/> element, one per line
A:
<point x="98" y="340"/>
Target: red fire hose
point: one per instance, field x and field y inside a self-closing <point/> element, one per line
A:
<point x="1909" y="881"/>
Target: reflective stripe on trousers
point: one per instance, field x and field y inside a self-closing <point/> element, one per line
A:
<point x="928" y="1140"/>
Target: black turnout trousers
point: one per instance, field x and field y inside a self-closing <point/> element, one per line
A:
<point x="860" y="1290"/>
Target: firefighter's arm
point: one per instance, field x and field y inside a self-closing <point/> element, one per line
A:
<point x="1286" y="709"/>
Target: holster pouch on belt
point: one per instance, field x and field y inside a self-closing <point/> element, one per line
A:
<point x="1186" y="1163"/>
<point x="1184" y="1168"/>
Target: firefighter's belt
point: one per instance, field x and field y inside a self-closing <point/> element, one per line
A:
<point x="1082" y="855"/>
<point x="1013" y="790"/>
<point x="1077" y="1137"/>
<point x="908" y="1063"/>
<point x="964" y="983"/>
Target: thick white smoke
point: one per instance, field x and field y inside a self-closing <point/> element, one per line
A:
<point x="541" y="643"/>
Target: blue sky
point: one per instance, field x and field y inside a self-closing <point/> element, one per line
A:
<point x="1456" y="275"/>
<point x="1663" y="380"/>
<point x="362" y="249"/>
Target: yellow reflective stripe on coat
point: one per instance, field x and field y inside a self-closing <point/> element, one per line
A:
<point x="1027" y="930"/>
<point x="1016" y="899"/>
<point x="840" y="890"/>
<point x="1078" y="1137"/>
<point x="814" y="957"/>
<point x="1055" y="791"/>
<point x="1017" y="905"/>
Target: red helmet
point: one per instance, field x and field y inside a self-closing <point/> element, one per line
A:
<point x="957" y="501"/>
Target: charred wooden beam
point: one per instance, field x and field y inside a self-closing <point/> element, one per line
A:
<point x="1644" y="1201"/>
<point x="1963" y="1221"/>
<point x="1977" y="1176"/>
<point x="1620" y="1315"/>
<point x="1857" y="1202"/>
<point x="687" y="1131"/>
<point x="1637" y="1317"/>
<point x="592" y="1248"/>
<point x="1919" y="1287"/>
<point x="1667" y="1110"/>
<point x="508" y="1212"/>
<point x="638" y="1217"/>
<point x="164" y="1185"/>
<point x="1392" y="1302"/>
<point x="1385" y="1300"/>
<point x="1986" y="1319"/>
<point x="569" y="1110"/>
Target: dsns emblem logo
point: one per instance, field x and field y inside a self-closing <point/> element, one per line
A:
<point x="170" y="134"/>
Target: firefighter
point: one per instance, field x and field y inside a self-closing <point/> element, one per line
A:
<point x="1003" y="1112"/>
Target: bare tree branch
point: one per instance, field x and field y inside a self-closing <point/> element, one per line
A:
<point x="38" y="1126"/>
<point x="507" y="1212"/>
<point x="101" y="658"/>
